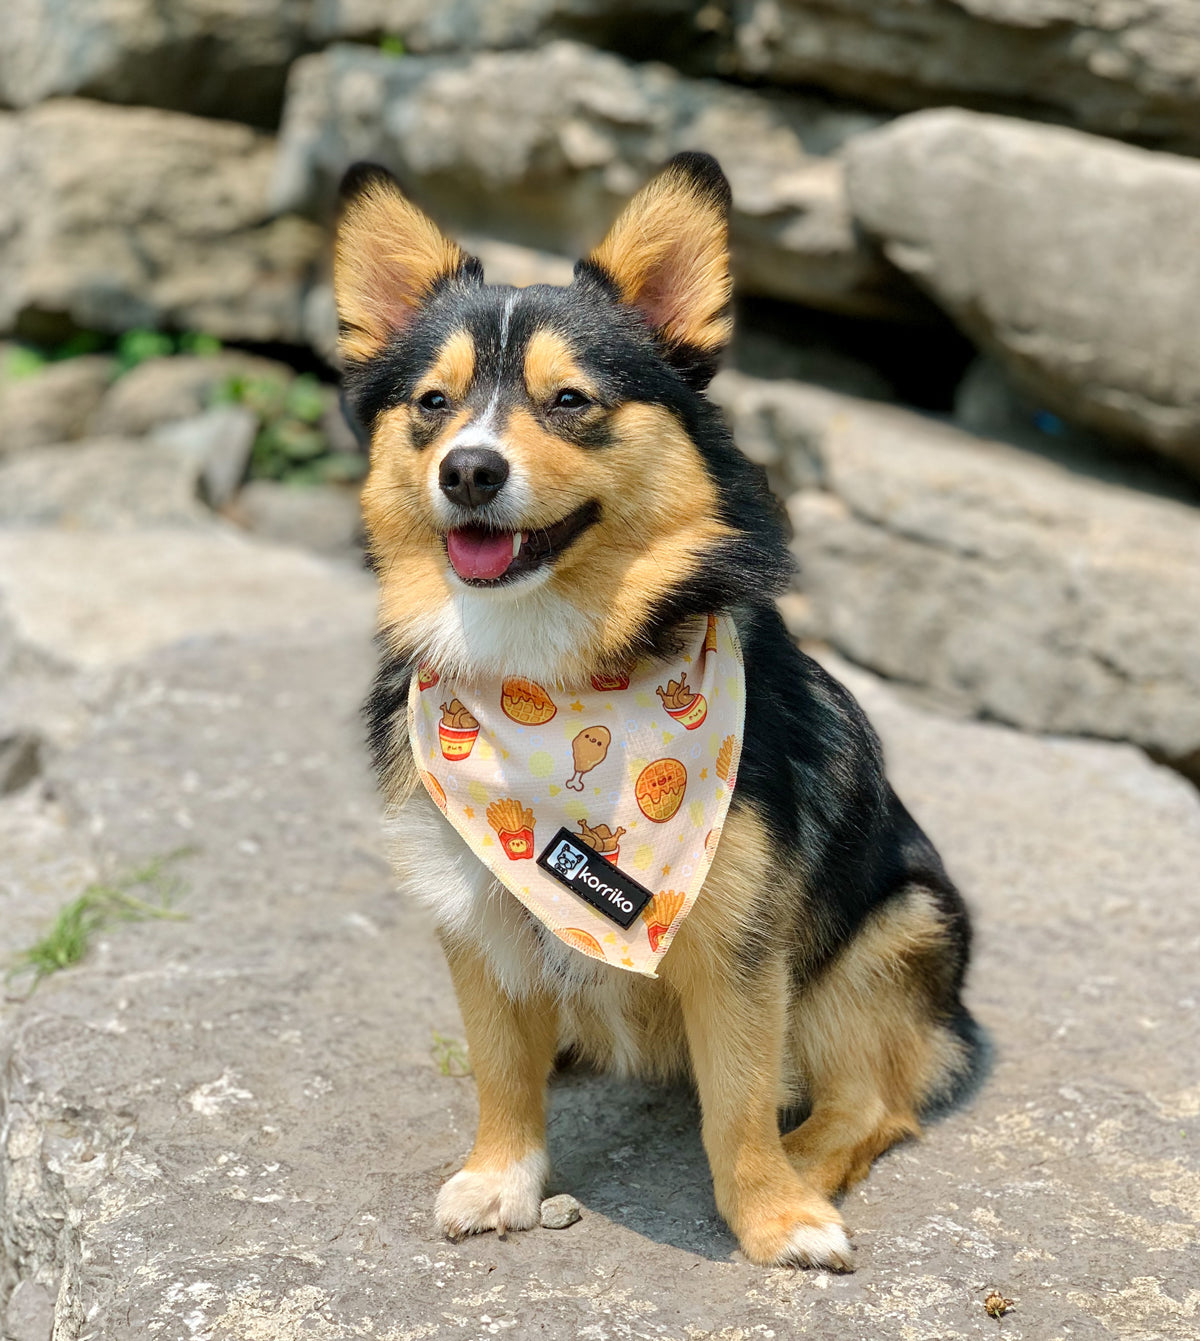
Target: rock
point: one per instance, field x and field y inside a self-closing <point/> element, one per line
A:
<point x="560" y="1212"/>
<point x="425" y="26"/>
<point x="218" y="443"/>
<point x="202" y="56"/>
<point x="103" y="482"/>
<point x="508" y="263"/>
<point x="218" y="59"/>
<point x="101" y="599"/>
<point x="232" y="1126"/>
<point x="127" y="217"/>
<point x="1006" y="583"/>
<point x="1034" y="239"/>
<point x="180" y="387"/>
<point x="1126" y="69"/>
<point x="325" y="518"/>
<point x="542" y="147"/>
<point x="30" y="1314"/>
<point x="20" y="760"/>
<point x="53" y="404"/>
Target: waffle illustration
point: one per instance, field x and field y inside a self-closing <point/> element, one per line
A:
<point x="659" y="789"/>
<point x="525" y="701"/>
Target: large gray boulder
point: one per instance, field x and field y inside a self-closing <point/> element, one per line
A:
<point x="993" y="577"/>
<point x="218" y="58"/>
<point x="541" y="147"/>
<point x="125" y="217"/>
<point x="206" y="56"/>
<point x="1073" y="260"/>
<point x="1123" y="67"/>
<point x="232" y="1127"/>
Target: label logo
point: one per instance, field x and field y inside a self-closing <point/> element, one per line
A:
<point x="594" y="879"/>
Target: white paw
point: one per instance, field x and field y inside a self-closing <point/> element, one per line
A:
<point x="476" y="1200"/>
<point x="825" y="1245"/>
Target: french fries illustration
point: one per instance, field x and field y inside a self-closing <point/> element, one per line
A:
<point x="513" y="824"/>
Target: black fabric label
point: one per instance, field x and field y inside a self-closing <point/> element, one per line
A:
<point x="594" y="878"/>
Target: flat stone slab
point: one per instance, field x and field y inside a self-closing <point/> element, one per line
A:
<point x="232" y="1128"/>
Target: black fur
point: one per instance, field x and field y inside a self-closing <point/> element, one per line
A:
<point x="811" y="765"/>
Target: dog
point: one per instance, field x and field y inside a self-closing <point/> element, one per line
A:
<point x="552" y="498"/>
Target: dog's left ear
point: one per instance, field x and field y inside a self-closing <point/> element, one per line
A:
<point x="667" y="255"/>
<point x="389" y="260"/>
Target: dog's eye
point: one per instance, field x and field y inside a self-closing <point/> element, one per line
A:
<point x="433" y="401"/>
<point x="569" y="399"/>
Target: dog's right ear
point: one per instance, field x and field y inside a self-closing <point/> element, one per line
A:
<point x="389" y="259"/>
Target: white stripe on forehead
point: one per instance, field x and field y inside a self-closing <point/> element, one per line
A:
<point x="479" y="432"/>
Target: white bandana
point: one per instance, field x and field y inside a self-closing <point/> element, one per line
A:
<point x="599" y="808"/>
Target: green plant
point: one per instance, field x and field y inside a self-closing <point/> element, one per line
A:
<point x="291" y="444"/>
<point x="99" y="906"/>
<point x="391" y="45"/>
<point x="21" y="361"/>
<point x="450" y="1055"/>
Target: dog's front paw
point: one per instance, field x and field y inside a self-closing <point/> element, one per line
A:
<point x="808" y="1238"/>
<point x="476" y="1200"/>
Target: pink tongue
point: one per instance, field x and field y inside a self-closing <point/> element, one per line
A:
<point x="485" y="554"/>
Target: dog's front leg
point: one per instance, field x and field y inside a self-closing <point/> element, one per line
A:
<point x="512" y="1045"/>
<point x="735" y="1031"/>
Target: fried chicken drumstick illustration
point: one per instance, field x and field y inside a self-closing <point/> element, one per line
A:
<point x="589" y="748"/>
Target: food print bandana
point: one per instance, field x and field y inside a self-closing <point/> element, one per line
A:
<point x="599" y="808"/>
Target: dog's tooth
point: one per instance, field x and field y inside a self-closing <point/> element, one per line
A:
<point x="516" y="543"/>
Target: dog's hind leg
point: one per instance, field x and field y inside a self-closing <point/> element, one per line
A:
<point x="511" y="1045"/>
<point x="872" y="1043"/>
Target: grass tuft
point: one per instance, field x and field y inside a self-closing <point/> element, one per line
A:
<point x="98" y="907"/>
<point x="450" y="1055"/>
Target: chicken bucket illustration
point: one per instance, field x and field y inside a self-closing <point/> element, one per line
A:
<point x="682" y="703"/>
<point x="514" y="825"/>
<point x="457" y="731"/>
<point x="601" y="839"/>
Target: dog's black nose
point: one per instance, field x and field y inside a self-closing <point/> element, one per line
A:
<point x="472" y="476"/>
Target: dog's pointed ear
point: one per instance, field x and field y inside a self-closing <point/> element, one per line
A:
<point x="667" y="255"/>
<point x="389" y="259"/>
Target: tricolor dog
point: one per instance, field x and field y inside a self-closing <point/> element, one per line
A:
<point x="652" y="833"/>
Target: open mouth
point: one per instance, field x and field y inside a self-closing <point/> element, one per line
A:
<point x="485" y="558"/>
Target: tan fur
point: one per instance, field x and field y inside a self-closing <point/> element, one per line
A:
<point x="550" y="367"/>
<point x="659" y="516"/>
<point x="453" y="371"/>
<point x="668" y="253"/>
<point x="866" y="1046"/>
<point x="858" y="1043"/>
<point x="512" y="1045"/>
<point x="389" y="254"/>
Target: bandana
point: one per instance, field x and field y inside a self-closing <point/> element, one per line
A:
<point x="600" y="808"/>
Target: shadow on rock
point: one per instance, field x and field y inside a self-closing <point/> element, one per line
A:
<point x="632" y="1152"/>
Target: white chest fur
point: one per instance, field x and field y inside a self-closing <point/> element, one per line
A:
<point x="437" y="868"/>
